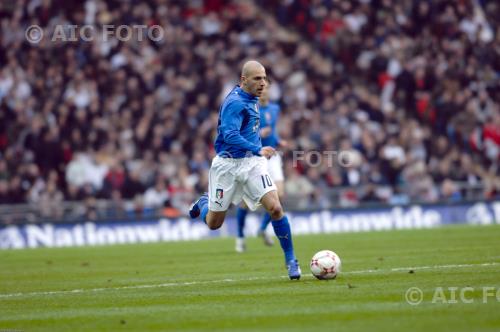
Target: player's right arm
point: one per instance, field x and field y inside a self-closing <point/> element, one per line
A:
<point x="231" y="120"/>
<point x="267" y="151"/>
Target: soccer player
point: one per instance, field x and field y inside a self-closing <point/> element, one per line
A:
<point x="238" y="171"/>
<point x="269" y="113"/>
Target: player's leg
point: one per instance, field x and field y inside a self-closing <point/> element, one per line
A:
<point x="241" y="215"/>
<point x="200" y="208"/>
<point x="215" y="219"/>
<point x="275" y="169"/>
<point x="212" y="207"/>
<point x="266" y="218"/>
<point x="281" y="226"/>
<point x="271" y="203"/>
<point x="259" y="188"/>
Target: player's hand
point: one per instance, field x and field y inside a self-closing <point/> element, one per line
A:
<point x="266" y="131"/>
<point x="267" y="152"/>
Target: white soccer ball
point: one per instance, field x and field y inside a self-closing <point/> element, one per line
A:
<point x="325" y="265"/>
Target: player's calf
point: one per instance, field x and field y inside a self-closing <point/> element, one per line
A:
<point x="282" y="231"/>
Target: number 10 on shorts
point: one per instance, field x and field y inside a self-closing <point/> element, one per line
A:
<point x="266" y="181"/>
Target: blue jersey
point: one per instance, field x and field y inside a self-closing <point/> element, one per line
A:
<point x="269" y="115"/>
<point x="238" y="126"/>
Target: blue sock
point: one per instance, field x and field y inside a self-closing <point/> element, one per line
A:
<point x="282" y="231"/>
<point x="265" y="221"/>
<point x="241" y="214"/>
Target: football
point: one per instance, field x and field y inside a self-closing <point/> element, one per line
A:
<point x="325" y="265"/>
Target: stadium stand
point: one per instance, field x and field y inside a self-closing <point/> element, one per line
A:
<point x="411" y="88"/>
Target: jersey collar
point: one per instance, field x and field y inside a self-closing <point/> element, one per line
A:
<point x="246" y="95"/>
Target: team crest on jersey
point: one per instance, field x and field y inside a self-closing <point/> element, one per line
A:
<point x="219" y="193"/>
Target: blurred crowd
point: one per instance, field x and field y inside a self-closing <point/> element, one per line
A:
<point x="410" y="87"/>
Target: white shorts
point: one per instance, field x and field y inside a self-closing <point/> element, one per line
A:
<point x="275" y="168"/>
<point x="232" y="180"/>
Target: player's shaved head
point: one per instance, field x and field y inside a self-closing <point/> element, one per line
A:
<point x="253" y="77"/>
<point x="251" y="67"/>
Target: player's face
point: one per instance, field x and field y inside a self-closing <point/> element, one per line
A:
<point x="255" y="82"/>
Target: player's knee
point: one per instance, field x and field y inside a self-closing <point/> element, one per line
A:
<point x="213" y="226"/>
<point x="276" y="211"/>
<point x="215" y="222"/>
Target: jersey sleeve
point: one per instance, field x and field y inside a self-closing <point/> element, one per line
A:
<point x="231" y="121"/>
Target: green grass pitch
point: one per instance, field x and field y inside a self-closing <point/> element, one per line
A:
<point x="206" y="286"/>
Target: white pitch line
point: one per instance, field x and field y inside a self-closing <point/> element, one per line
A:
<point x="189" y="283"/>
<point x="443" y="266"/>
<point x="430" y="267"/>
<point x="168" y="284"/>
